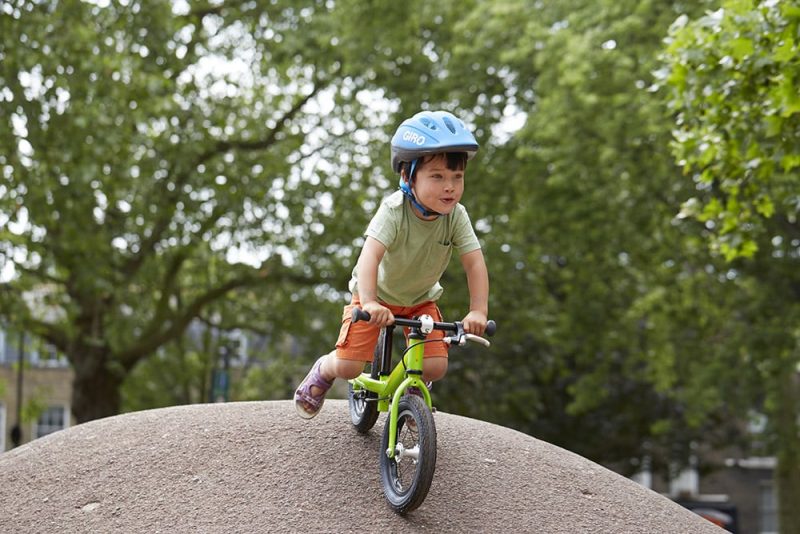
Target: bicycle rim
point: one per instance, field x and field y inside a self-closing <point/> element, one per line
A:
<point x="407" y="477"/>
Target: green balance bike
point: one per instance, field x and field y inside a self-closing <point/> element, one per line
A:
<point x="408" y="449"/>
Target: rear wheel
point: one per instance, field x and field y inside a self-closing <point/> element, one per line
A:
<point x="408" y="475"/>
<point x="364" y="404"/>
<point x="363" y="409"/>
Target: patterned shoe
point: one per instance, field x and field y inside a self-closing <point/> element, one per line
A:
<point x="305" y="402"/>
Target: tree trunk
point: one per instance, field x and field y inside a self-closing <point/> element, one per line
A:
<point x="787" y="473"/>
<point x="96" y="387"/>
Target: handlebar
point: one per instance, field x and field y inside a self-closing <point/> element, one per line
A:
<point x="456" y="327"/>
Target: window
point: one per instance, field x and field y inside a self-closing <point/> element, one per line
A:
<point x="3" y="358"/>
<point x="2" y="427"/>
<point x="48" y="356"/>
<point x="768" y="509"/>
<point x="10" y="347"/>
<point x="52" y="419"/>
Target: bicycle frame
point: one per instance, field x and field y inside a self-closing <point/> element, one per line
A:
<point x="391" y="387"/>
<point x="384" y="389"/>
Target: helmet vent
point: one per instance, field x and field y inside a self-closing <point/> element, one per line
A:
<point x="450" y="126"/>
<point x="428" y="123"/>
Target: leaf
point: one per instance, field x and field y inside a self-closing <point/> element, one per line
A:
<point x="748" y="248"/>
<point x="774" y="125"/>
<point x="738" y="7"/>
<point x="790" y="100"/>
<point x="741" y="48"/>
<point x="786" y="51"/>
<point x="711" y="210"/>
<point x="790" y="161"/>
<point x="765" y="206"/>
<point x="790" y="10"/>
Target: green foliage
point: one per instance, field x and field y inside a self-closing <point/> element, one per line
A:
<point x="178" y="374"/>
<point x="154" y="161"/>
<point x="33" y="408"/>
<point x="158" y="158"/>
<point x="581" y="234"/>
<point x="161" y="168"/>
<point x="733" y="78"/>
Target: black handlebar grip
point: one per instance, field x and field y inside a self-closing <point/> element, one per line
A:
<point x="359" y="315"/>
<point x="491" y="328"/>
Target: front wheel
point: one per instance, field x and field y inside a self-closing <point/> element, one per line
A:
<point x="408" y="475"/>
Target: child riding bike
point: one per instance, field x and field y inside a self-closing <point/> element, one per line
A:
<point x="408" y="246"/>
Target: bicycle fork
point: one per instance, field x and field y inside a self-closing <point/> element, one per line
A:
<point x="413" y="378"/>
<point x="401" y="378"/>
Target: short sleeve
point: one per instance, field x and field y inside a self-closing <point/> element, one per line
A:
<point x="464" y="238"/>
<point x="383" y="226"/>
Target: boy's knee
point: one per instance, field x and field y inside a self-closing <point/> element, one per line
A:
<point x="434" y="369"/>
<point x="347" y="369"/>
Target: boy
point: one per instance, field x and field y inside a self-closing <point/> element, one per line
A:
<point x="408" y="246"/>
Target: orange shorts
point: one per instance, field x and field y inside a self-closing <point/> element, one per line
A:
<point x="357" y="341"/>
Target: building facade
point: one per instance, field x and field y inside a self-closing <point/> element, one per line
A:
<point x="735" y="492"/>
<point x="34" y="399"/>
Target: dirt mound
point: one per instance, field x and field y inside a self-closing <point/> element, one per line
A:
<point x="257" y="467"/>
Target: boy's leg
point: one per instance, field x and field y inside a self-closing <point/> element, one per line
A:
<point x="434" y="368"/>
<point x="333" y="367"/>
<point x="434" y="365"/>
<point x="310" y="395"/>
<point x="353" y="350"/>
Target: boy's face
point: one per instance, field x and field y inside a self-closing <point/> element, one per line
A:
<point x="437" y="187"/>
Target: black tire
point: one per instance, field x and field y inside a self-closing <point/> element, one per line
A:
<point x="363" y="409"/>
<point x="406" y="481"/>
<point x="363" y="404"/>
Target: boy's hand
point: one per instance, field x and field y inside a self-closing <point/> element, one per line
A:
<point x="475" y="323"/>
<point x="378" y="315"/>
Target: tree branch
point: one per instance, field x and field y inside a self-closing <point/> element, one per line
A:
<point x="261" y="144"/>
<point x="49" y="332"/>
<point x="168" y="285"/>
<point x="163" y="329"/>
<point x="160" y="333"/>
<point x="136" y="261"/>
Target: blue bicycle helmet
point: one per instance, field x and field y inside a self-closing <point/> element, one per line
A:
<point x="424" y="134"/>
<point x="430" y="132"/>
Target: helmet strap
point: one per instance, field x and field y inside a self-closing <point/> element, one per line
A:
<point x="406" y="188"/>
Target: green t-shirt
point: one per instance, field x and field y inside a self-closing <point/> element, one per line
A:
<point x="417" y="251"/>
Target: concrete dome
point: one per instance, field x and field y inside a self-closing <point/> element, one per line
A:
<point x="257" y="467"/>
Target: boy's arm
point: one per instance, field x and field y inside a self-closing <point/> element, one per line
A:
<point x="478" y="283"/>
<point x="367" y="274"/>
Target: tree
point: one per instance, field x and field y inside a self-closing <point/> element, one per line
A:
<point x="733" y="79"/>
<point x="149" y="146"/>
<point x="580" y="216"/>
<point x="738" y="119"/>
<point x="146" y="146"/>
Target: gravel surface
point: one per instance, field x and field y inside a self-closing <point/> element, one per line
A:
<point x="257" y="467"/>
